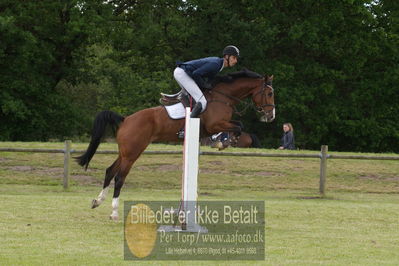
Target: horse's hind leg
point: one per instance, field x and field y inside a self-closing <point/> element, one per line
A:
<point x="109" y="175"/>
<point x="133" y="137"/>
<point x="120" y="177"/>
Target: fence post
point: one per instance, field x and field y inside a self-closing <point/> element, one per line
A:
<point x="67" y="166"/>
<point x="323" y="168"/>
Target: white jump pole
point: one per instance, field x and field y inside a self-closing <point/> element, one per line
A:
<point x="190" y="158"/>
<point x="189" y="178"/>
<point x="190" y="173"/>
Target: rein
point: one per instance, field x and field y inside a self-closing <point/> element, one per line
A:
<point x="240" y="113"/>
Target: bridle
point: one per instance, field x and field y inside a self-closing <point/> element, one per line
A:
<point x="257" y="108"/>
<point x="261" y="107"/>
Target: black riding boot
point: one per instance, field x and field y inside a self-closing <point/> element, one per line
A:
<point x="194" y="114"/>
<point x="196" y="110"/>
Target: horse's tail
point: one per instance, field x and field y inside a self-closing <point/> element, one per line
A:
<point x="255" y="141"/>
<point x="100" y="123"/>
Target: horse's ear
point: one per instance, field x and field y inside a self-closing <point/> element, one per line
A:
<point x="269" y="79"/>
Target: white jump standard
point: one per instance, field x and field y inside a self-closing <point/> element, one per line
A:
<point x="189" y="179"/>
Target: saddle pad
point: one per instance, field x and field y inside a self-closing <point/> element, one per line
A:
<point x="176" y="111"/>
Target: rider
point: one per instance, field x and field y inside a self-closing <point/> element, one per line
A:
<point x="195" y="75"/>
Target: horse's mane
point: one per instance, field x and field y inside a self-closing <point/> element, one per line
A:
<point x="231" y="77"/>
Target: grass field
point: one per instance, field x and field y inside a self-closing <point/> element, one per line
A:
<point x="355" y="224"/>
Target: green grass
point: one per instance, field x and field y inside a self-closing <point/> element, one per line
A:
<point x="355" y="224"/>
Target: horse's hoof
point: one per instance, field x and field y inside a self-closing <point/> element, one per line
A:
<point x="94" y="204"/>
<point x="219" y="145"/>
<point x="114" y="218"/>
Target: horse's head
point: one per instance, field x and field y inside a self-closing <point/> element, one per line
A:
<point x="239" y="85"/>
<point x="263" y="97"/>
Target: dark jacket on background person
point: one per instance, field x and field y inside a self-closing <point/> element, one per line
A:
<point x="288" y="141"/>
<point x="203" y="70"/>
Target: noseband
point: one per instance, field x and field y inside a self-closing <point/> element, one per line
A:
<point x="260" y="108"/>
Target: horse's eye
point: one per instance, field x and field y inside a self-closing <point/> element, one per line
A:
<point x="270" y="94"/>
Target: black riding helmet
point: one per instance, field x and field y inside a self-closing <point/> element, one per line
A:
<point x="231" y="50"/>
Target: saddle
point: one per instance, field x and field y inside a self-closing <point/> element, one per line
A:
<point x="171" y="99"/>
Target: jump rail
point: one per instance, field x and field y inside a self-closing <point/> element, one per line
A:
<point x="323" y="156"/>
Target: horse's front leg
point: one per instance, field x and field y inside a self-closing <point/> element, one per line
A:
<point x="233" y="135"/>
<point x="237" y="123"/>
<point x="225" y="126"/>
<point x="236" y="135"/>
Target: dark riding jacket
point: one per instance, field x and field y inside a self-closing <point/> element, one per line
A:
<point x="203" y="70"/>
<point x="287" y="141"/>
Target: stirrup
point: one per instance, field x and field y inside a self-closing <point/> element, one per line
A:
<point x="180" y="134"/>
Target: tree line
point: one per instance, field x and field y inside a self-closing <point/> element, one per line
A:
<point x="336" y="64"/>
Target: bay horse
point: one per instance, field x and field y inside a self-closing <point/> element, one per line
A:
<point x="136" y="131"/>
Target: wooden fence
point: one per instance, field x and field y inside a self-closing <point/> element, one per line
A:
<point x="323" y="156"/>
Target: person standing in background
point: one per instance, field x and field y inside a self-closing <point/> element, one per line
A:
<point x="288" y="140"/>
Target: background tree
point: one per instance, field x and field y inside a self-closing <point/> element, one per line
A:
<point x="42" y="43"/>
<point x="335" y="63"/>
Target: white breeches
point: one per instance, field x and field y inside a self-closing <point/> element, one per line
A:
<point x="187" y="83"/>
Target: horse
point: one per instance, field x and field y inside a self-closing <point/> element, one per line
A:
<point x="136" y="131"/>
